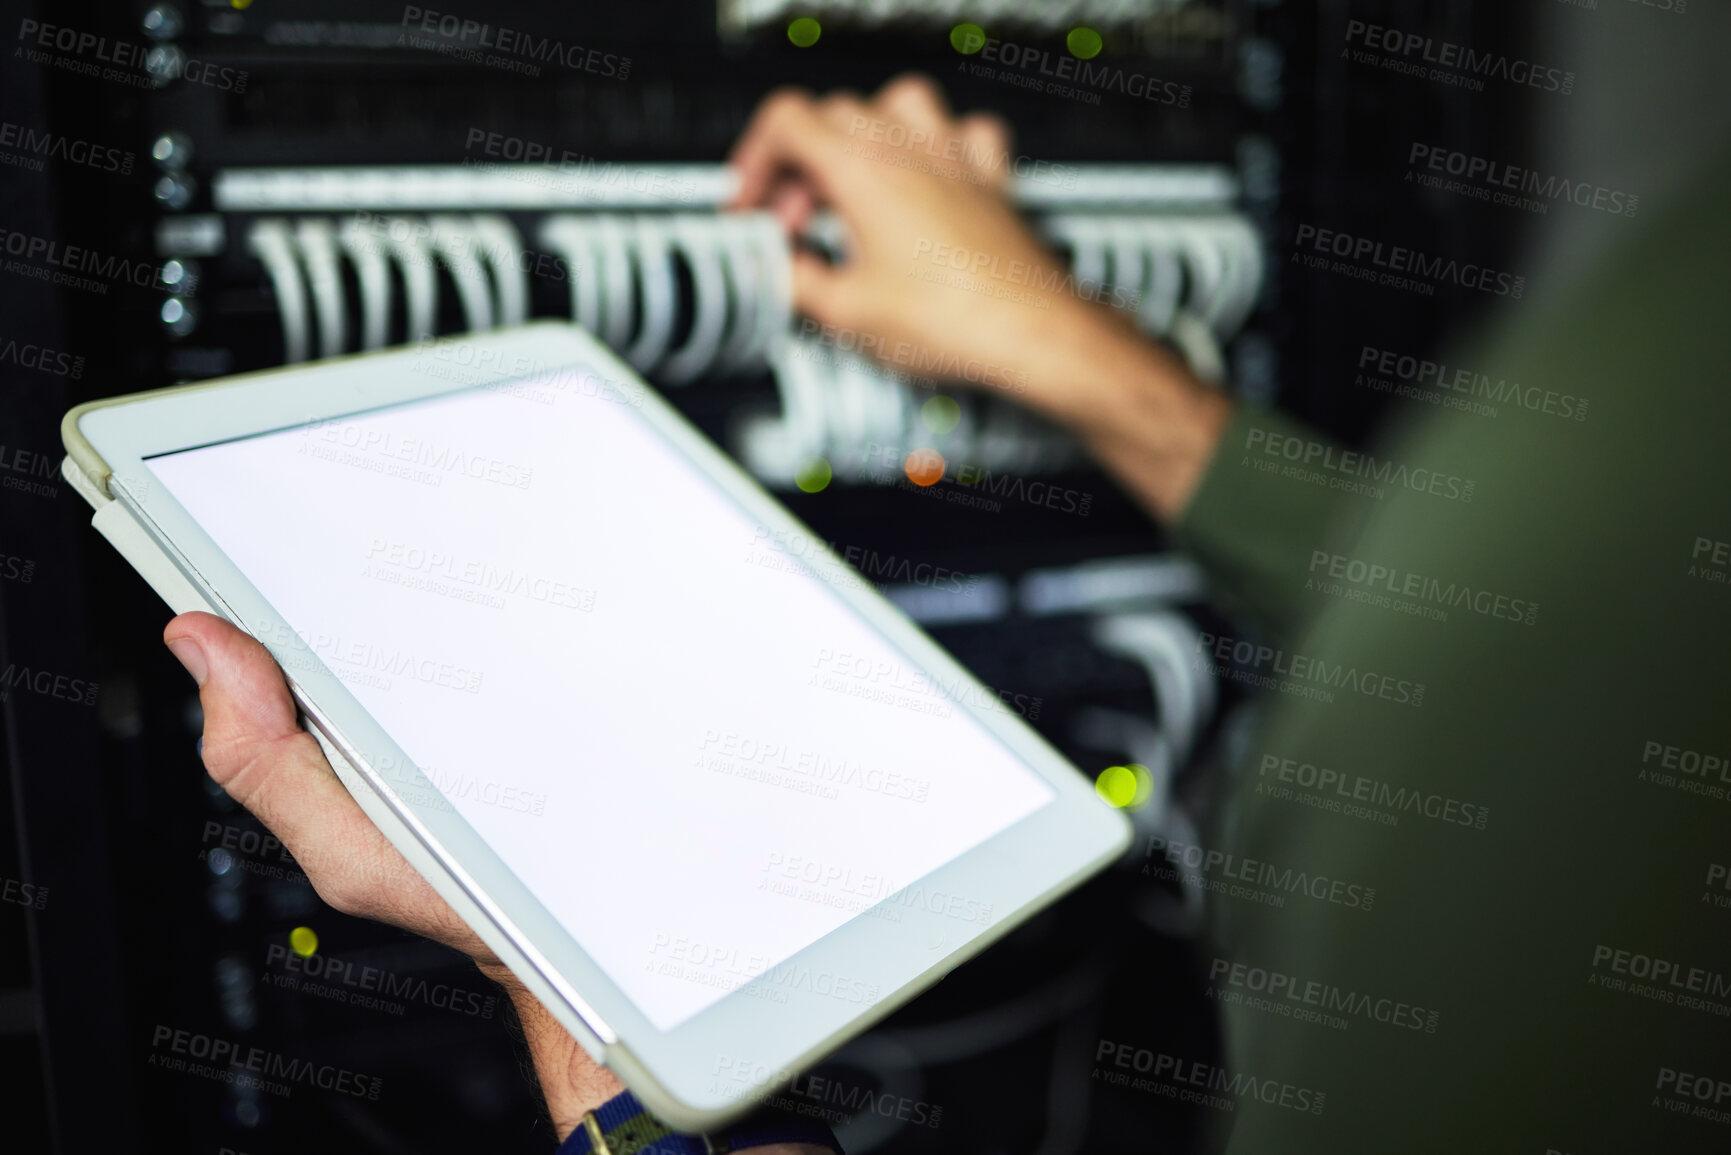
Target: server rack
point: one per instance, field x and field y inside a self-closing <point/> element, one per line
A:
<point x="168" y="907"/>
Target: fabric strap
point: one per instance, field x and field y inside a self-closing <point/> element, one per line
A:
<point x="621" y="1126"/>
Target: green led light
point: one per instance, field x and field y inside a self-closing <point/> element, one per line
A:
<point x="1117" y="785"/>
<point x="1125" y="786"/>
<point x="967" y="38"/>
<point x="804" y="31"/>
<point x="815" y="477"/>
<point x="304" y="941"/>
<point x="1084" y="42"/>
<point x="941" y="414"/>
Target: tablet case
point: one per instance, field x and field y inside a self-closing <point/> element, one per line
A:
<point x="85" y="470"/>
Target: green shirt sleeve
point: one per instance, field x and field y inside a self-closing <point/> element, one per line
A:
<point x="1494" y="913"/>
<point x="1252" y="528"/>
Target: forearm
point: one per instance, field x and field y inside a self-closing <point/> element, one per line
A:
<point x="1143" y="416"/>
<point x="1134" y="406"/>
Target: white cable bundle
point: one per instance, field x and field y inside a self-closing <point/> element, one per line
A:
<point x="482" y="252"/>
<point x="624" y="287"/>
<point x="270" y="241"/>
<point x="839" y="408"/>
<point x="622" y="271"/>
<point x="1191" y="279"/>
<point x="1165" y="643"/>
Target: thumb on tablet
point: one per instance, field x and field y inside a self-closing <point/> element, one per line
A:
<point x="255" y="748"/>
<point x="253" y="744"/>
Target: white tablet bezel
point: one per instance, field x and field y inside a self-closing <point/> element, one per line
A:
<point x="711" y="1067"/>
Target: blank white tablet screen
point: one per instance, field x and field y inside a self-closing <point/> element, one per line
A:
<point x="692" y="751"/>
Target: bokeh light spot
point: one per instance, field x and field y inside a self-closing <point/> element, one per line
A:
<point x="814" y="478"/>
<point x="804" y="32"/>
<point x="304" y="941"/>
<point x="1084" y="42"/>
<point x="941" y="414"/>
<point x="967" y="38"/>
<point x="1124" y="786"/>
<point x="924" y="467"/>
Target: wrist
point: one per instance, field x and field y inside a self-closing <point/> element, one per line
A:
<point x="572" y="1083"/>
<point x="1133" y="404"/>
<point x="1083" y="361"/>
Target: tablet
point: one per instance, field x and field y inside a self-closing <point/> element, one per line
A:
<point x="712" y="797"/>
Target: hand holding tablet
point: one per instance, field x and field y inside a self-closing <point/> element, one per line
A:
<point x="256" y="750"/>
<point x="719" y="809"/>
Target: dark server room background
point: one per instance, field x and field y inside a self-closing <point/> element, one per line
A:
<point x="153" y="900"/>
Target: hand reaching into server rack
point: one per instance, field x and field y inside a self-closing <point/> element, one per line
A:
<point x="921" y="193"/>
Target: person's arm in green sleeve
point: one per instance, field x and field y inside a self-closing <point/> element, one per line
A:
<point x="1245" y="490"/>
<point x="1261" y="516"/>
